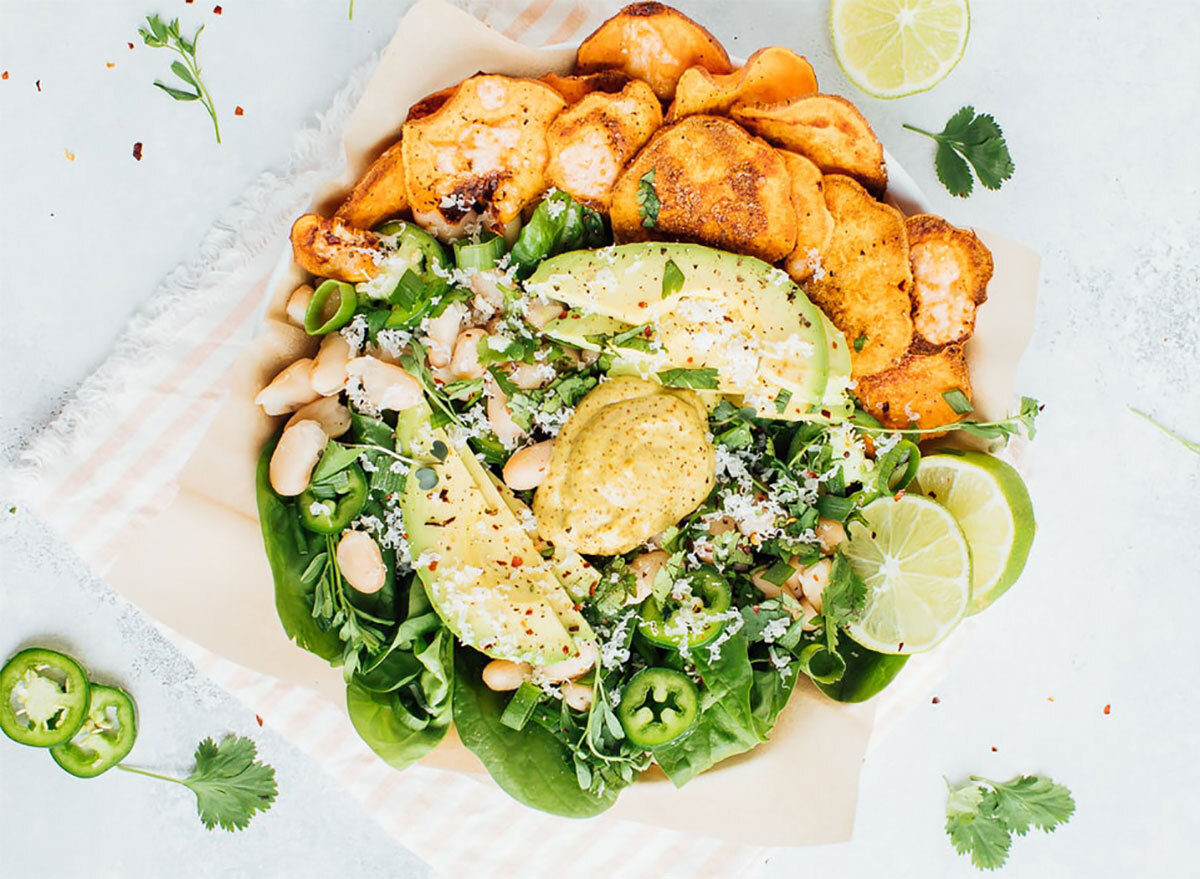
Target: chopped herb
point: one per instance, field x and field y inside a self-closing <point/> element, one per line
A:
<point x="860" y="342"/>
<point x="779" y="573"/>
<point x="647" y="199"/>
<point x="958" y="401"/>
<point x="672" y="279"/>
<point x="167" y="36"/>
<point x="982" y="815"/>
<point x="782" y="399"/>
<point x="701" y="379"/>
<point x="972" y="138"/>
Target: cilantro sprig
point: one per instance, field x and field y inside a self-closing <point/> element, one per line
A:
<point x="647" y="199"/>
<point x="167" y="36"/>
<point x="231" y="785"/>
<point x="1025" y="420"/>
<point x="972" y="138"/>
<point x="982" y="815"/>
<point x="1193" y="447"/>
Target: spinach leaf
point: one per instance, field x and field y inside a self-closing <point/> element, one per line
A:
<point x="530" y="765"/>
<point x="769" y="694"/>
<point x="727" y="725"/>
<point x="290" y="550"/>
<point x="558" y="224"/>
<point x="867" y="672"/>
<point x="370" y="431"/>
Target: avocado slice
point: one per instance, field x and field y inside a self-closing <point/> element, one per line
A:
<point x="734" y="313"/>
<point x="484" y="577"/>
<point x="835" y="405"/>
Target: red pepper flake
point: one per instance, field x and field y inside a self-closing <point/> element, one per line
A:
<point x="1108" y="709"/>
<point x="530" y="632"/>
<point x="566" y="649"/>
<point x="137" y="150"/>
<point x="529" y="612"/>
<point x="109" y="64"/>
<point x="993" y="749"/>
<point x="896" y="497"/>
<point x="258" y="717"/>
<point x="238" y="111"/>
<point x="935" y="700"/>
<point x="130" y="45"/>
<point x="433" y="565"/>
<point x="642" y="304"/>
<point x="517" y="561"/>
<point x="39" y="85"/>
<point x="216" y="10"/>
<point x="4" y="75"/>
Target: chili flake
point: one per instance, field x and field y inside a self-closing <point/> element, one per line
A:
<point x="258" y="717"/>
<point x="1107" y="709"/>
<point x="137" y="150"/>
<point x="216" y="10"/>
<point x="238" y="111"/>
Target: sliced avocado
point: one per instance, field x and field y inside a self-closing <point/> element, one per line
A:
<point x="835" y="406"/>
<point x="483" y="574"/>
<point x="737" y="314"/>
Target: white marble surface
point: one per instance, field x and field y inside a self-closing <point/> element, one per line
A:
<point x="1099" y="101"/>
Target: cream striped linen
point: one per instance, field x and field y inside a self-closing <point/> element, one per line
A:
<point x="112" y="458"/>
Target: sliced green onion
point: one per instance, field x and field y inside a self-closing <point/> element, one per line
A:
<point x="520" y="706"/>
<point x="347" y="302"/>
<point x="830" y="506"/>
<point x="958" y="401"/>
<point x="481" y="255"/>
<point x="890" y="479"/>
<point x="821" y="664"/>
<point x="865" y="419"/>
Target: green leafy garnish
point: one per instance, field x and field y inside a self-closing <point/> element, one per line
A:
<point x="1025" y="420"/>
<point x="672" y="279"/>
<point x="972" y="138"/>
<point x="647" y="199"/>
<point x="957" y="401"/>
<point x="230" y="784"/>
<point x="982" y="815"/>
<point x="701" y="379"/>
<point x="167" y="36"/>
<point x="782" y="399"/>
<point x="1186" y="443"/>
<point x="860" y="342"/>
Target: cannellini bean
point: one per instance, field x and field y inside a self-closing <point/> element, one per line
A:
<point x="328" y="412"/>
<point x="386" y="385"/>
<point x="289" y="390"/>
<point x="361" y="562"/>
<point x="501" y="422"/>
<point x="766" y="587"/>
<point x="328" y="375"/>
<point x="577" y="696"/>
<point x="644" y="568"/>
<point x="504" y="674"/>
<point x="527" y="467"/>
<point x="540" y="313"/>
<point x="441" y="333"/>
<point x="465" y="363"/>
<point x="575" y="666"/>
<point x="830" y="533"/>
<point x="295" y="456"/>
<point x="810" y="613"/>
<point x="812" y="580"/>
<point x="528" y="376"/>
<point x="297" y="304"/>
<point x="489" y="298"/>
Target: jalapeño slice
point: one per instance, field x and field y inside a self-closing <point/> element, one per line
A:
<point x="43" y="697"/>
<point x="658" y="705"/>
<point x="692" y="620"/>
<point x="329" y="508"/>
<point x="107" y="735"/>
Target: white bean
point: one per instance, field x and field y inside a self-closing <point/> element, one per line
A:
<point x="328" y="412"/>
<point x="501" y="422"/>
<point x="297" y="304"/>
<point x="540" y="313"/>
<point x="575" y="665"/>
<point x="489" y="298"/>
<point x="577" y="696"/>
<point x="361" y="562"/>
<point x="295" y="456"/>
<point x="809" y="614"/>
<point x="644" y="568"/>
<point x="830" y="533"/>
<point x="289" y="390"/>
<point x="328" y="375"/>
<point x="766" y="587"/>
<point x="812" y="580"/>
<point x="504" y="674"/>
<point x="441" y="332"/>
<point x="386" y="385"/>
<point x="464" y="364"/>
<point x="527" y="467"/>
<point x="528" y="376"/>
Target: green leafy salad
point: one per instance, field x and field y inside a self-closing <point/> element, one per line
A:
<point x="603" y="507"/>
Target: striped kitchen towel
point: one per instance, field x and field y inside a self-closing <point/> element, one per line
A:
<point x="112" y="458"/>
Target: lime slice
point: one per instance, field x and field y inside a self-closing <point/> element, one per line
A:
<point x="990" y="502"/>
<point x="913" y="557"/>
<point x="892" y="48"/>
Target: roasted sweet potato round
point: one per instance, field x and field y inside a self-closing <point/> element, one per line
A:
<point x="379" y="194"/>
<point x="591" y="141"/>
<point x="827" y="129"/>
<point x="712" y="183"/>
<point x="331" y="249"/>
<point x="653" y="42"/>
<point x="814" y="223"/>
<point x="910" y="393"/>
<point x="480" y="158"/>
<point x="769" y="75"/>
<point x="430" y="103"/>
<point x="951" y="269"/>
<point x="574" y="87"/>
<point x="863" y="280"/>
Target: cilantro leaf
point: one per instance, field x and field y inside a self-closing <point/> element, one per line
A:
<point x="982" y="815"/>
<point x="230" y="784"/>
<point x="974" y="139"/>
<point x="1031" y="800"/>
<point x="984" y="838"/>
<point x="672" y="279"/>
<point x="701" y="379"/>
<point x="844" y="595"/>
<point x="647" y="199"/>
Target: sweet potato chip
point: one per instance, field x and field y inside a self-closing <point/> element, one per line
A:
<point x="481" y="157"/>
<point x="863" y="281"/>
<point x="770" y="75"/>
<point x="591" y="141"/>
<point x="430" y="103"/>
<point x="827" y="129"/>
<point x="814" y="223"/>
<point x="573" y="88"/>
<point x="379" y="194"/>
<point x="951" y="269"/>
<point x="332" y="249"/>
<point x="910" y="393"/>
<point x="653" y="42"/>
<point x="712" y="183"/>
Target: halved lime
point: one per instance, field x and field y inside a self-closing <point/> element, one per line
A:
<point x="893" y="48"/>
<point x="990" y="502"/>
<point x="913" y="557"/>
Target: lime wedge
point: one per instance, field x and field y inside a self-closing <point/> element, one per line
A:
<point x="913" y="557"/>
<point x="990" y="502"/>
<point x="892" y="48"/>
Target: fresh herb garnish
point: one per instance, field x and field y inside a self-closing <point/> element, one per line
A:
<point x="972" y="138"/>
<point x="982" y="815"/>
<point x="957" y="401"/>
<point x="230" y="784"/>
<point x="167" y="36"/>
<point x="1025" y="419"/>
<point x="647" y="199"/>
<point x="782" y="399"/>
<point x="860" y="342"/>
<point x="701" y="379"/>
<point x="1186" y="443"/>
<point x="672" y="279"/>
